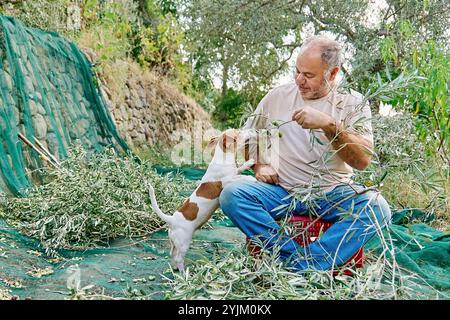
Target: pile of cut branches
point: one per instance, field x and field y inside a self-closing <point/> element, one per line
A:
<point x="239" y="276"/>
<point x="92" y="199"/>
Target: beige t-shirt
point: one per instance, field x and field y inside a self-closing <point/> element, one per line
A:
<point x="304" y="157"/>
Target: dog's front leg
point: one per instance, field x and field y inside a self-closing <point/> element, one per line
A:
<point x="246" y="165"/>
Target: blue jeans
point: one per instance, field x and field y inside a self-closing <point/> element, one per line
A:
<point x="356" y="219"/>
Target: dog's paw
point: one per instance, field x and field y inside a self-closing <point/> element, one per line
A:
<point x="247" y="165"/>
<point x="178" y="267"/>
<point x="250" y="162"/>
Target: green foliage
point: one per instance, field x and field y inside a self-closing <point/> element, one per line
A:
<point x="151" y="37"/>
<point x="107" y="36"/>
<point x="147" y="31"/>
<point x="168" y="6"/>
<point x="396" y="142"/>
<point x="158" y="47"/>
<point x="47" y="15"/>
<point x="409" y="176"/>
<point x="429" y="101"/>
<point x="92" y="199"/>
<point x="232" y="109"/>
<point x="249" y="47"/>
<point x="241" y="39"/>
<point x="229" y="110"/>
<point x="249" y="41"/>
<point x="404" y="26"/>
<point x="203" y="91"/>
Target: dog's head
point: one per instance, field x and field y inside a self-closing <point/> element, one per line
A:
<point x="230" y="140"/>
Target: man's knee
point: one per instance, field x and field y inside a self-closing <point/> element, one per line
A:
<point x="378" y="208"/>
<point x="384" y="210"/>
<point x="231" y="193"/>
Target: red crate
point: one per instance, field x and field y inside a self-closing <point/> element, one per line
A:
<point x="308" y="230"/>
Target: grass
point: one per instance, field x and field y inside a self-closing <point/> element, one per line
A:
<point x="421" y="184"/>
<point x="430" y="194"/>
<point x="161" y="155"/>
<point x="157" y="154"/>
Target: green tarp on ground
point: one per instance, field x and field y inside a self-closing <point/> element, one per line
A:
<point x="125" y="269"/>
<point x="420" y="248"/>
<point x="135" y="268"/>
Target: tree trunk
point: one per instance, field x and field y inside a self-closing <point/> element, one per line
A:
<point x="225" y="70"/>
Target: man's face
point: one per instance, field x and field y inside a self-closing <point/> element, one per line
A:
<point x="309" y="75"/>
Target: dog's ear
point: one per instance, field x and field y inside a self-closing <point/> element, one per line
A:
<point x="212" y="142"/>
<point x="229" y="140"/>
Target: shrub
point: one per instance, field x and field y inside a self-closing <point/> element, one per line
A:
<point x="410" y="176"/>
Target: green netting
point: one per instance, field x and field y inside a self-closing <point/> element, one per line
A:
<point x="419" y="248"/>
<point x="113" y="271"/>
<point x="47" y="92"/>
<point x="131" y="268"/>
<point x="188" y="173"/>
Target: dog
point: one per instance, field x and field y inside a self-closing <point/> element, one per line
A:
<point x="203" y="202"/>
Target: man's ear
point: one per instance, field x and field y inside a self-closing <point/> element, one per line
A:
<point x="333" y="73"/>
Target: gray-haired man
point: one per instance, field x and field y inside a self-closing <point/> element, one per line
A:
<point x="317" y="153"/>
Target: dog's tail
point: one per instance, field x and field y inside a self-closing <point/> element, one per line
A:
<point x="162" y="215"/>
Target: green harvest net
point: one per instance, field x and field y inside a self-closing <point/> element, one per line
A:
<point x="133" y="268"/>
<point x="47" y="93"/>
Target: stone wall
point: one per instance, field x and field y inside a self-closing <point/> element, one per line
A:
<point x="46" y="93"/>
<point x="53" y="105"/>
<point x="147" y="109"/>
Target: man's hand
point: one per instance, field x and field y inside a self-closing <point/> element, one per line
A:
<point x="265" y="173"/>
<point x="309" y="118"/>
<point x="355" y="150"/>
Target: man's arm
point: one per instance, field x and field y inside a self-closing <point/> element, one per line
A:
<point x="352" y="148"/>
<point x="355" y="150"/>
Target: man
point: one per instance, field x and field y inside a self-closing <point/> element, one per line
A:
<point x="324" y="136"/>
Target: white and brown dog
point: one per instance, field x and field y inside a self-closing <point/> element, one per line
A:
<point x="201" y="204"/>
